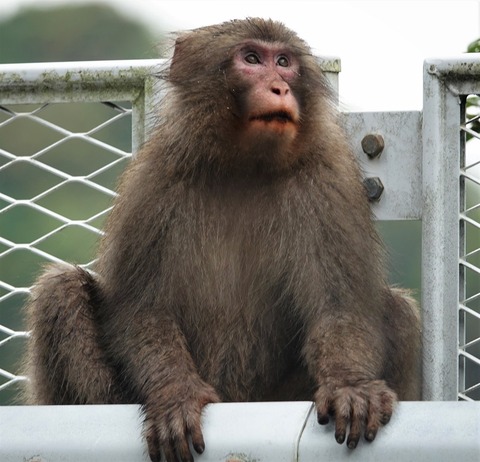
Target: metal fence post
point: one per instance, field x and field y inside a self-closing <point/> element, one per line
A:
<point x="440" y="236"/>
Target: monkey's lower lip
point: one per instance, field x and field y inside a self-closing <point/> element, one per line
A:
<point x="277" y="116"/>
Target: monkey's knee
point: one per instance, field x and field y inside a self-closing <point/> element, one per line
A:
<point x="63" y="334"/>
<point x="60" y="289"/>
<point x="405" y="356"/>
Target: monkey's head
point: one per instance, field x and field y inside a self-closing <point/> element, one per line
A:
<point x="252" y="85"/>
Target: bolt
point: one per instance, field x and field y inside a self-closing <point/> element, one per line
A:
<point x="374" y="188"/>
<point x="373" y="145"/>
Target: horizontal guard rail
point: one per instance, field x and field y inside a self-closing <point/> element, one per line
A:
<point x="247" y="432"/>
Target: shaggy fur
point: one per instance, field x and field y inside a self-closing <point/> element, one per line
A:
<point x="231" y="273"/>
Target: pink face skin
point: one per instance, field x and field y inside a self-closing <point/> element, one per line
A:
<point x="268" y="106"/>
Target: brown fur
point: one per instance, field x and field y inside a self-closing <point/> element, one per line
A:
<point x="231" y="273"/>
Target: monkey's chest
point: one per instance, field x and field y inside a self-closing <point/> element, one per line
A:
<point x="227" y="262"/>
<point x="228" y="278"/>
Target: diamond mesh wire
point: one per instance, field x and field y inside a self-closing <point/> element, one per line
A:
<point x="58" y="168"/>
<point x="469" y="307"/>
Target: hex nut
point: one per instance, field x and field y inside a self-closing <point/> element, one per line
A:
<point x="373" y="145"/>
<point x="374" y="188"/>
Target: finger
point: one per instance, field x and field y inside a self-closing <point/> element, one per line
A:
<point x="380" y="410"/>
<point x="177" y="441"/>
<point x="194" y="428"/>
<point x="183" y="449"/>
<point x="323" y="418"/>
<point x="371" y="432"/>
<point x="359" y="412"/>
<point x="353" y="438"/>
<point x="197" y="439"/>
<point x="374" y="417"/>
<point x="343" y="413"/>
<point x="341" y="423"/>
<point x="387" y="403"/>
<point x="323" y="404"/>
<point x="356" y="424"/>
<point x="169" y="451"/>
<point x="153" y="443"/>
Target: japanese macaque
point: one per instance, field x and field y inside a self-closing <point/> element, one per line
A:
<point x="240" y="261"/>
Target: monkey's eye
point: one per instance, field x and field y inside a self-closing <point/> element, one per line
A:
<point x="252" y="58"/>
<point x="283" y="61"/>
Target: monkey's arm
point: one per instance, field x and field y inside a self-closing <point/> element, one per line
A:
<point x="345" y="355"/>
<point x="165" y="379"/>
<point x="143" y="335"/>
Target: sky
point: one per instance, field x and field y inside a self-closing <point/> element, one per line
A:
<point x="382" y="43"/>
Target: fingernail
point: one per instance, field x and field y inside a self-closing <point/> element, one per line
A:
<point x="323" y="419"/>
<point x="352" y="444"/>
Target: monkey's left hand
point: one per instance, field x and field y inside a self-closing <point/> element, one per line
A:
<point x="174" y="417"/>
<point x="367" y="405"/>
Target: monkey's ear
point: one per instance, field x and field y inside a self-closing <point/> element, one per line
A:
<point x="179" y="60"/>
<point x="180" y="44"/>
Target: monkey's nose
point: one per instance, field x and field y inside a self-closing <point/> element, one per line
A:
<point x="280" y="88"/>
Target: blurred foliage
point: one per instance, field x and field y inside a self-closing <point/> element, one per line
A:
<point x="474" y="47"/>
<point x="66" y="33"/>
<point x="73" y="33"/>
<point x="473" y="101"/>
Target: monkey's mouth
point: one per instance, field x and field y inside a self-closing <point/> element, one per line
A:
<point x="282" y="117"/>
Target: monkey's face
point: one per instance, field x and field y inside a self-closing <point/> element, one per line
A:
<point x="261" y="80"/>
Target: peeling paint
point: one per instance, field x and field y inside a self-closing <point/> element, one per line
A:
<point x="240" y="457"/>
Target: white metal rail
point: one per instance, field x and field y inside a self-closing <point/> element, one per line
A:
<point x="280" y="432"/>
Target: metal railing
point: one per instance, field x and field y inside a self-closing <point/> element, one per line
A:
<point x="451" y="237"/>
<point x="52" y="206"/>
<point x="58" y="170"/>
<point x="279" y="432"/>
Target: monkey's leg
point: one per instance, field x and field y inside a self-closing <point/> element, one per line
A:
<point x="65" y="361"/>
<point x="404" y="358"/>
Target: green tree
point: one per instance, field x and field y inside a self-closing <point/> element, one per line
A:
<point x="473" y="101"/>
<point x="73" y="33"/>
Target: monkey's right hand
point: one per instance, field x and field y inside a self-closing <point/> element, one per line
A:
<point x="174" y="416"/>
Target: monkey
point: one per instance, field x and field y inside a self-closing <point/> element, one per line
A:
<point x="240" y="261"/>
